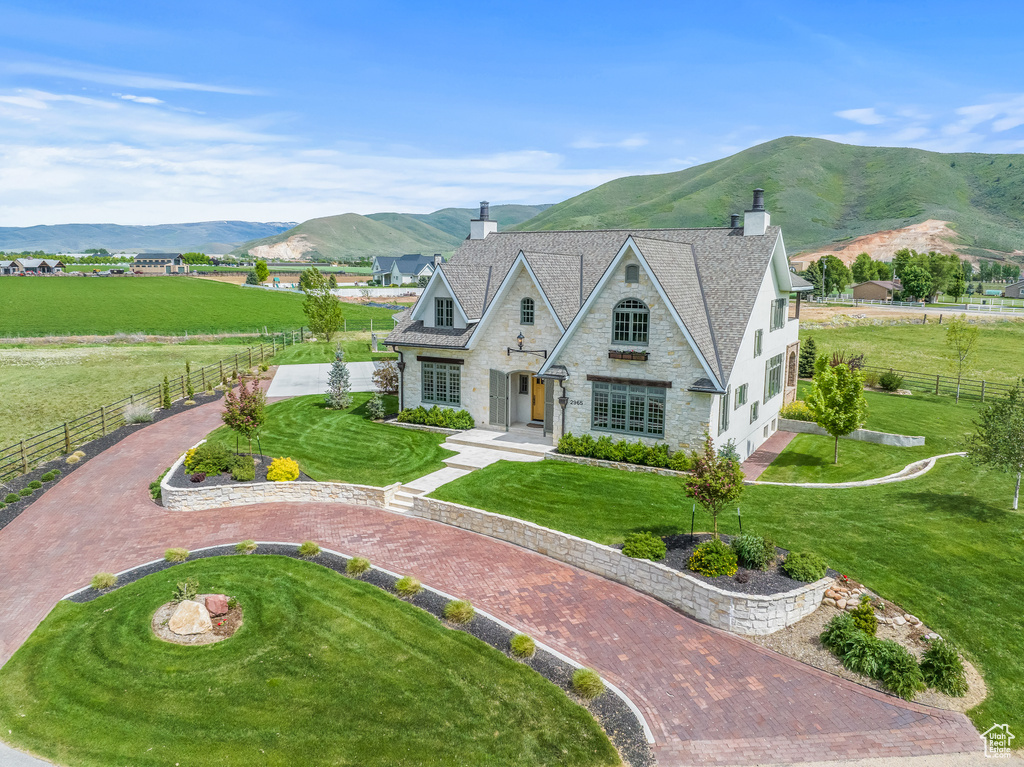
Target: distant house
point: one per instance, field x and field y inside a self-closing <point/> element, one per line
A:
<point x="1016" y="290"/>
<point x="6" y="267"/>
<point x="37" y="266"/>
<point x="404" y="269"/>
<point x="875" y="290"/>
<point x="159" y="263"/>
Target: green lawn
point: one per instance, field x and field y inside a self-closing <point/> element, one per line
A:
<point x="324" y="671"/>
<point x="940" y="420"/>
<point x="355" y="345"/>
<point x="944" y="546"/>
<point x="31" y="306"/>
<point x="43" y="387"/>
<point x="921" y="348"/>
<point x="344" y="446"/>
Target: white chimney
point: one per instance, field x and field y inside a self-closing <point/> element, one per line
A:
<point x="756" y="220"/>
<point x="438" y="260"/>
<point x="483" y="226"/>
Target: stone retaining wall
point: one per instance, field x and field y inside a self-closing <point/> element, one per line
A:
<point x="422" y="427"/>
<point x="620" y="465"/>
<point x="739" y="613"/>
<point x="861" y="435"/>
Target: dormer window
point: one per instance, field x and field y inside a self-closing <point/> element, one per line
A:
<point x="632" y="274"/>
<point x="444" y="312"/>
<point x="526" y="308"/>
<point x="630" y="322"/>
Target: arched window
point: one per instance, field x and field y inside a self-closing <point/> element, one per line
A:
<point x="630" y="322"/>
<point x="526" y="311"/>
<point x="632" y="274"/>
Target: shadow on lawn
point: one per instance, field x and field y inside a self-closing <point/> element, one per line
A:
<point x="954" y="504"/>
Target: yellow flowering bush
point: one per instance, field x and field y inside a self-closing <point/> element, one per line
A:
<point x="190" y="458"/>
<point x="713" y="558"/>
<point x="283" y="470"/>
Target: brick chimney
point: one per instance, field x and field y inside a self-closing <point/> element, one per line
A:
<point x="483" y="226"/>
<point x="756" y="220"/>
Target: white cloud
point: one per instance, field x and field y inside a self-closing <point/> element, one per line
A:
<point x="866" y="116"/>
<point x="631" y="142"/>
<point x="139" y="99"/>
<point x="120" y="78"/>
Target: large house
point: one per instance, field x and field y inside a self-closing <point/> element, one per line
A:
<point x="1015" y="290"/>
<point x="32" y="266"/>
<point x="159" y="263"/>
<point x="404" y="269"/>
<point x="657" y="334"/>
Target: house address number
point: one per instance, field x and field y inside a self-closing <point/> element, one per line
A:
<point x="575" y="402"/>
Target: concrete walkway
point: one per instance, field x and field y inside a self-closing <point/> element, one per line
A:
<point x="709" y="697"/>
<point x="299" y="380"/>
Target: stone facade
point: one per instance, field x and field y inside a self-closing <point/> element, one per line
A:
<point x="739" y="613"/>
<point x="860" y="435"/>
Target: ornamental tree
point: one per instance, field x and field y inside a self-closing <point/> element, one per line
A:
<point x="262" y="271"/>
<point x="837" y="400"/>
<point x="385" y="377"/>
<point x="245" y="409"/>
<point x="338" y="386"/>
<point x="999" y="437"/>
<point x="961" y="348"/>
<point x="715" y="482"/>
<point x="322" y="309"/>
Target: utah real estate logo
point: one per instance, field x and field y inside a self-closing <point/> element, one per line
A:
<point x="997" y="741"/>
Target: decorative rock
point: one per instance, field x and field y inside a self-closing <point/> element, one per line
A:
<point x="217" y="604"/>
<point x="190" y="618"/>
<point x="910" y="618"/>
<point x="830" y="593"/>
<point x="841" y="604"/>
<point x="829" y="601"/>
<point x="900" y="620"/>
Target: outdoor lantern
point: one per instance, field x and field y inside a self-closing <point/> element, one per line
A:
<point x="520" y="340"/>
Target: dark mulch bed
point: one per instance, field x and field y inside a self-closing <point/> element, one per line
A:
<point x="181" y="478"/>
<point x="618" y="721"/>
<point x="761" y="582"/>
<point x="91" y="450"/>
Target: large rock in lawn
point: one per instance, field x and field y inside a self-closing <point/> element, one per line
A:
<point x="190" y="618"/>
<point x="217" y="604"/>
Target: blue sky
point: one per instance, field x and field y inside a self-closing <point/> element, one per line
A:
<point x="151" y="113"/>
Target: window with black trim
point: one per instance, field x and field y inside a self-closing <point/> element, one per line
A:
<point x="758" y="342"/>
<point x="723" y="411"/>
<point x="773" y="377"/>
<point x="741" y="397"/>
<point x="442" y="384"/>
<point x="632" y="274"/>
<point x="444" y="312"/>
<point x="638" y="410"/>
<point x="526" y="308"/>
<point x="524" y="384"/>
<point x="630" y="322"/>
<point x="778" y="313"/>
<point x="753" y="411"/>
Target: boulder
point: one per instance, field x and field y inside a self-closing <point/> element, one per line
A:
<point x="829" y="601"/>
<point x="190" y="618"/>
<point x="841" y="604"/>
<point x="900" y="620"/>
<point x="217" y="604"/>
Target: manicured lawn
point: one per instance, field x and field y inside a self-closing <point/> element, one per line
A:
<point x="355" y="345"/>
<point x="343" y="445"/>
<point x="942" y="422"/>
<point x="945" y="546"/>
<point x="921" y="348"/>
<point x="31" y="306"/>
<point x="324" y="671"/>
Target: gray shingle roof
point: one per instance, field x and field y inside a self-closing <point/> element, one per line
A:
<point x="410" y="263"/>
<point x="411" y="333"/>
<point x="720" y="268"/>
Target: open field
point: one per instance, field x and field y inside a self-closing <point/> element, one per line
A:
<point x="37" y="306"/>
<point x="355" y="345"/>
<point x="300" y="682"/>
<point x="43" y="387"/>
<point x="921" y="348"/>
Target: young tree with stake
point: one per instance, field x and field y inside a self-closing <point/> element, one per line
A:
<point x="715" y="482"/>
<point x="837" y="399"/>
<point x="999" y="437"/>
<point x="961" y="347"/>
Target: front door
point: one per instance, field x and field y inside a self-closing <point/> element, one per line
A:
<point x="537" y="400"/>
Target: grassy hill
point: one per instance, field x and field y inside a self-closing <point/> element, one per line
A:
<point x="204" y="236"/>
<point x="351" y="235"/>
<point x="820" y="192"/>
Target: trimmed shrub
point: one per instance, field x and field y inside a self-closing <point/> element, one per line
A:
<point x="587" y="683"/>
<point x="209" y="458"/>
<point x="713" y="559"/>
<point x="12" y="498"/>
<point x="408" y="586"/>
<point x="25" y="492"/>
<point x="176" y="555"/>
<point x="522" y="646"/>
<point x="103" y="581"/>
<point x="898" y="669"/>
<point x="357" y="566"/>
<point x="50" y="475"/>
<point x="864" y="616"/>
<point x="943" y="669"/>
<point x="79" y="454"/>
<point x="657" y="456"/>
<point x="35" y="484"/>
<point x="459" y="611"/>
<point x="604" y="448"/>
<point x="438" y="416"/>
<point x="375" y="407"/>
<point x="754" y="551"/>
<point x="804" y="566"/>
<point x="3" y="505"/>
<point x="186" y="589"/>
<point x="890" y="381"/>
<point x="137" y="413"/>
<point x="283" y="470"/>
<point x="644" y="545"/>
<point x="199" y="476"/>
<point x="309" y="549"/>
<point x="245" y="547"/>
<point x="797" y="411"/>
<point x="243" y="468"/>
<point x="680" y="461"/>
<point x="585" y="445"/>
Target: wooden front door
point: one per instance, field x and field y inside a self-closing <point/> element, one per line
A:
<point x="537" y="400"/>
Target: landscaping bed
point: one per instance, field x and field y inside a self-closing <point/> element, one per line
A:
<point x="315" y="651"/>
<point x="769" y="582"/>
<point x="183" y="479"/>
<point x="90" y="450"/>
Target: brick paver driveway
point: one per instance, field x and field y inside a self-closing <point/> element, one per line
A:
<point x="709" y="697"/>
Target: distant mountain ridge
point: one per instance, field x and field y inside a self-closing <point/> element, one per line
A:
<point x="203" y="236"/>
<point x="351" y="235"/>
<point x="821" y="192"/>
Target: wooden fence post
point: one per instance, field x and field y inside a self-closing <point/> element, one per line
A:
<point x="24" y="459"/>
<point x="103" y="419"/>
<point x="261" y="352"/>
<point x="982" y="391"/>
<point x="302" y="335"/>
<point x="250" y="356"/>
<point x="67" y="439"/>
<point x="936" y="384"/>
<point x="202" y="372"/>
<point x="220" y="363"/>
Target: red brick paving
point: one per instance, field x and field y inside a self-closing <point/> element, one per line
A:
<point x="708" y="696"/>
<point x="761" y="458"/>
